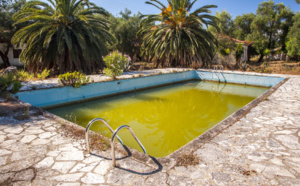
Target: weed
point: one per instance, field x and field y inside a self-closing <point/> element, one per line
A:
<point x="139" y="75"/>
<point x="23" y="115"/>
<point x="72" y="117"/>
<point x="195" y="65"/>
<point x="97" y="142"/>
<point x="187" y="159"/>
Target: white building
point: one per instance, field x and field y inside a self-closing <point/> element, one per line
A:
<point x="13" y="55"/>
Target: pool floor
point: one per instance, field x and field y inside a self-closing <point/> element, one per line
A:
<point x="166" y="118"/>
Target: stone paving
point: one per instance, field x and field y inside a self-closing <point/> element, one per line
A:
<point x="262" y="148"/>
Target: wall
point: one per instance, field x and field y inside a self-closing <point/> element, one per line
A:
<point x="62" y="95"/>
<point x="228" y="77"/>
<point x="13" y="61"/>
<point x="56" y="96"/>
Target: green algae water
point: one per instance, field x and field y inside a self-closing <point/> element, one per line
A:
<point x="166" y="118"/>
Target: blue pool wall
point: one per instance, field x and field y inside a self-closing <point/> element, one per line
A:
<point x="63" y="95"/>
<point x="267" y="81"/>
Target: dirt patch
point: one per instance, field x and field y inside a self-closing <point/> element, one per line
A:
<point x="97" y="142"/>
<point x="275" y="67"/>
<point x="187" y="159"/>
<point x="10" y="107"/>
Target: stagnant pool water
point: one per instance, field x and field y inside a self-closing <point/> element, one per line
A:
<point x="164" y="119"/>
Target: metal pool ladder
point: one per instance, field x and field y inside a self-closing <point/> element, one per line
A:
<point x="219" y="73"/>
<point x="112" y="138"/>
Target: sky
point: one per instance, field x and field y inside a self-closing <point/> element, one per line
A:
<point x="234" y="7"/>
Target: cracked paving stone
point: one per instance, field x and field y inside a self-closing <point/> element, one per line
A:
<point x="67" y="177"/>
<point x="63" y="167"/>
<point x="212" y="154"/>
<point x="157" y="179"/>
<point x="73" y="155"/>
<point x="68" y="184"/>
<point x="4" y="152"/>
<point x="25" y="175"/>
<point x="28" y="139"/>
<point x="45" y="163"/>
<point x="53" y="153"/>
<point x="77" y="167"/>
<point x="179" y="180"/>
<point x="3" y="160"/>
<point x="291" y="142"/>
<point x="40" y="142"/>
<point x="221" y="177"/>
<point x="271" y="170"/>
<point x="14" y="130"/>
<point x="92" y="178"/>
<point x="103" y="167"/>
<point x="2" y="138"/>
<point x="120" y="177"/>
<point x="273" y="145"/>
<point x="47" y="135"/>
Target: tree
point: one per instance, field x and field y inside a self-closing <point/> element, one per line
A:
<point x="243" y="25"/>
<point x="125" y="30"/>
<point x="293" y="44"/>
<point x="62" y="34"/>
<point x="225" y="33"/>
<point x="7" y="30"/>
<point x="297" y="1"/>
<point x="268" y="26"/>
<point x="225" y="24"/>
<point x="179" y="37"/>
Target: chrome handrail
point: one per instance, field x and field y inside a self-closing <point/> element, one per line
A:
<point x="87" y="132"/>
<point x="113" y="140"/>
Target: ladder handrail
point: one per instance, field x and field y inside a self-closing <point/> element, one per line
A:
<point x="87" y="132"/>
<point x="113" y="140"/>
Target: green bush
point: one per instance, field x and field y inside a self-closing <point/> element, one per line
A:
<point x="9" y="80"/>
<point x="75" y="79"/>
<point x="45" y="73"/>
<point x="266" y="52"/>
<point x="115" y="64"/>
<point x="23" y="75"/>
<point x="225" y="52"/>
<point x="239" y="52"/>
<point x="16" y="86"/>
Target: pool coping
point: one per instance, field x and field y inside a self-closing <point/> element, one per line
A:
<point x="170" y="160"/>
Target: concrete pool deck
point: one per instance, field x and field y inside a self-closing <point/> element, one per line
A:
<point x="262" y="148"/>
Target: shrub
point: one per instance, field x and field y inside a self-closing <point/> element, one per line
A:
<point x="115" y="64"/>
<point x="266" y="52"/>
<point x="45" y="73"/>
<point x="76" y="79"/>
<point x="9" y="82"/>
<point x="16" y="87"/>
<point x="24" y="75"/>
<point x="239" y="52"/>
<point x="225" y="52"/>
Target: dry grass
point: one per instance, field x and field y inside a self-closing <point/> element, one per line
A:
<point x="275" y="67"/>
<point x="187" y="159"/>
<point x="97" y="142"/>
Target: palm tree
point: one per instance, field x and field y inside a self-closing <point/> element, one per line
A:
<point x="63" y="34"/>
<point x="177" y="36"/>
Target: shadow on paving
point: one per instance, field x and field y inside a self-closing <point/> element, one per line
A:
<point x="129" y="154"/>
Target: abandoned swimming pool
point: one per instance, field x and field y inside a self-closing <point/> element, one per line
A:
<point x="158" y="139"/>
